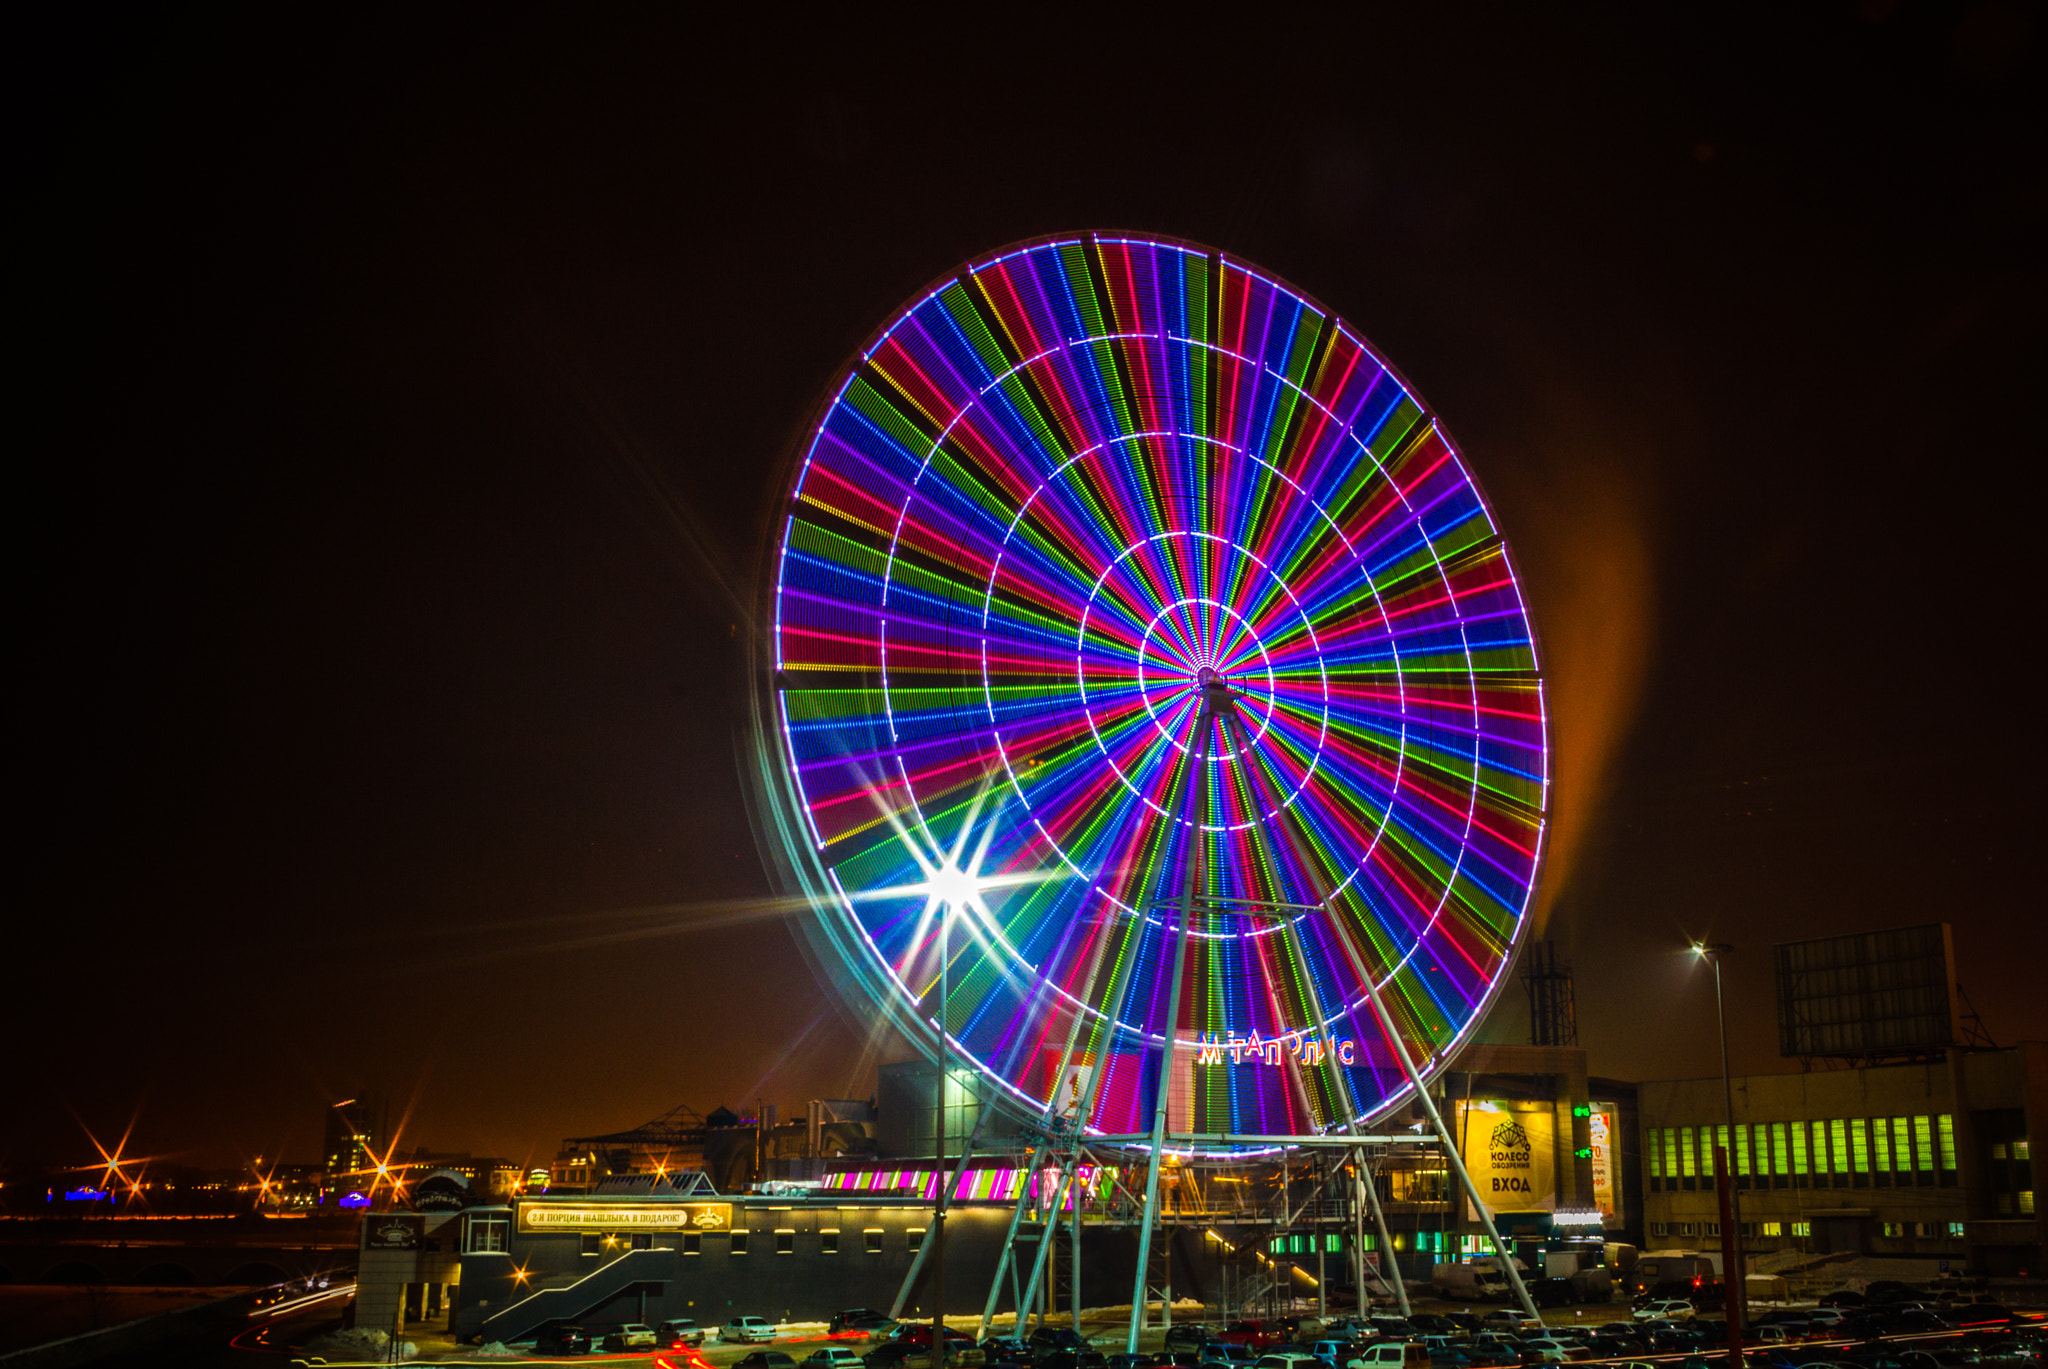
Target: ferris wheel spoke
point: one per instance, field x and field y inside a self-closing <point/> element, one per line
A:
<point x="1048" y="498"/>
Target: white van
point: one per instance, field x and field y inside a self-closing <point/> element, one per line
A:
<point x="1386" y="1355"/>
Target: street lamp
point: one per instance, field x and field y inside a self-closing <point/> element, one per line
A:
<point x="953" y="889"/>
<point x="1711" y="952"/>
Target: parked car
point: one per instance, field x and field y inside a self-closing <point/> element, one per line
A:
<point x="560" y="1338"/>
<point x="1341" y="1354"/>
<point x="1551" y="1292"/>
<point x="1006" y="1352"/>
<point x="1676" y="1340"/>
<point x="1141" y="1359"/>
<point x="1288" y="1359"/>
<point x="1606" y="1346"/>
<point x="893" y="1354"/>
<point x="1844" y="1297"/>
<point x="1256" y="1334"/>
<point x="745" y="1330"/>
<point x="1396" y="1355"/>
<point x="1192" y="1335"/>
<point x="856" y="1319"/>
<point x="1226" y="1353"/>
<point x="1466" y="1356"/>
<point x="1669" y="1309"/>
<point x="1071" y="1359"/>
<point x="679" y="1333"/>
<point x="831" y="1357"/>
<point x="1509" y="1319"/>
<point x="767" y="1359"/>
<point x="631" y="1336"/>
<point x="1052" y="1338"/>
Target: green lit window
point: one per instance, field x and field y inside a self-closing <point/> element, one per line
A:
<point x="1773" y="1228"/>
<point x="1670" y="1153"/>
<point x="1902" y="1145"/>
<point x="1838" y="1146"/>
<point x="1923" y="1144"/>
<point x="2026" y="1202"/>
<point x="1742" y="1149"/>
<point x="1685" y="1154"/>
<point x="1802" y="1229"/>
<point x="1859" y="1145"/>
<point x="1945" y="1129"/>
<point x="1779" y="1155"/>
<point x="1799" y="1147"/>
<point x="1881" y="1143"/>
<point x="1721" y="1139"/>
<point x="1332" y="1241"/>
<point x="1278" y="1245"/>
<point x="1656" y="1154"/>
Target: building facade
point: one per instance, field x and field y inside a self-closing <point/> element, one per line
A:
<point x="1930" y="1159"/>
<point x="607" y="1259"/>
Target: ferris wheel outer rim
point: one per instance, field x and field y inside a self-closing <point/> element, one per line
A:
<point x="774" y="790"/>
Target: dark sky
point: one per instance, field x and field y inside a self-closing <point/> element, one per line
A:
<point x="399" y="398"/>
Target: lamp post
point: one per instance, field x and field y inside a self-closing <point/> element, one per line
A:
<point x="1735" y="1279"/>
<point x="952" y="893"/>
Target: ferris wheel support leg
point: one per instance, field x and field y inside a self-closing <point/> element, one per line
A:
<point x="1397" y="1285"/>
<point x="1305" y="855"/>
<point x="1060" y="1188"/>
<point x="1006" y="1263"/>
<point x="1198" y="791"/>
<point x="1500" y="1247"/>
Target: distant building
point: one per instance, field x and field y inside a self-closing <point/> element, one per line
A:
<point x="735" y="1151"/>
<point x="351" y="1132"/>
<point x="1931" y="1158"/>
<point x="486" y="1177"/>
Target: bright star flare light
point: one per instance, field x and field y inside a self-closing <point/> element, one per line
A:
<point x="1042" y="499"/>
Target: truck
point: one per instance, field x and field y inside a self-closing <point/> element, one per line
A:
<point x="1583" y="1269"/>
<point x="1479" y="1281"/>
<point x="1666" y="1268"/>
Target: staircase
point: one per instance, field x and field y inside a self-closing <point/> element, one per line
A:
<point x="599" y="1286"/>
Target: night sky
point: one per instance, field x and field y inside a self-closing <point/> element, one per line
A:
<point x="405" y="397"/>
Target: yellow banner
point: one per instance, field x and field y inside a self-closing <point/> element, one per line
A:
<point x="545" y="1216"/>
<point x="1602" y="1129"/>
<point x="1510" y="1151"/>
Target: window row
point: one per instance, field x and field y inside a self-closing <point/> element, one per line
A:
<point x="1838" y="1152"/>
<point x="737" y="1242"/>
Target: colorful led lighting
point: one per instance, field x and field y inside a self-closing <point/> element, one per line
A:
<point x="1046" y="495"/>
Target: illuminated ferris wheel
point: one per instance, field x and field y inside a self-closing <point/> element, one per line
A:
<point x="1142" y="642"/>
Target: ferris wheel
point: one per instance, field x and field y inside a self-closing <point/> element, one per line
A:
<point x="1153" y="706"/>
